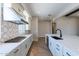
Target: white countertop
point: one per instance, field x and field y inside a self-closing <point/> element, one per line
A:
<point x="69" y="41"/>
<point x="8" y="47"/>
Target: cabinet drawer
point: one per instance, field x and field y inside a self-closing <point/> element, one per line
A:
<point x="58" y="49"/>
<point x="18" y="51"/>
<point x="15" y="52"/>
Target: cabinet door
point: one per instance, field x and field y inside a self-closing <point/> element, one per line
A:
<point x="28" y="43"/>
<point x="23" y="50"/>
<point x="51" y="44"/>
<point x="26" y="47"/>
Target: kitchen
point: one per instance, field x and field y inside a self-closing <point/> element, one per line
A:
<point x="29" y="30"/>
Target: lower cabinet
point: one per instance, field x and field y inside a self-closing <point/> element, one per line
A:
<point x="57" y="49"/>
<point x="28" y="44"/>
<point x="19" y="51"/>
<point x="22" y="49"/>
<point x="50" y="44"/>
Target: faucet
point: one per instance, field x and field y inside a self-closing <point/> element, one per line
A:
<point x="60" y="32"/>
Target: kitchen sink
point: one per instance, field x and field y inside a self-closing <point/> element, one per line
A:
<point x="57" y="38"/>
<point x="16" y="39"/>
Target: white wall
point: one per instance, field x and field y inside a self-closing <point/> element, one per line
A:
<point x="68" y="25"/>
<point x="40" y="28"/>
<point x="34" y="28"/>
<point x="44" y="27"/>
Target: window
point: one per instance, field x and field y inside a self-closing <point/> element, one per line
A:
<point x="27" y="25"/>
<point x="24" y="28"/>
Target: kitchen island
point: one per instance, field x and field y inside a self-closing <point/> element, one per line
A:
<point x="68" y="46"/>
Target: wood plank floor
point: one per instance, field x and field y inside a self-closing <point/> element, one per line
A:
<point x="39" y="48"/>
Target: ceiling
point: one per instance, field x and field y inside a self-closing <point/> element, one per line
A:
<point x="45" y="10"/>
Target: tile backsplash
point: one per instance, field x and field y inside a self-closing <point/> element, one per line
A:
<point x="8" y="31"/>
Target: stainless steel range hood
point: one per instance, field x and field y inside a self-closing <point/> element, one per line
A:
<point x="21" y="21"/>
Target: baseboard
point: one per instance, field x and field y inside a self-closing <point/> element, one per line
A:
<point x="35" y="38"/>
<point x="41" y="37"/>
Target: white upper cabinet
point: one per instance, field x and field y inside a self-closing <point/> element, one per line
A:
<point x="10" y="12"/>
<point x="14" y="12"/>
<point x="16" y="6"/>
<point x="9" y="15"/>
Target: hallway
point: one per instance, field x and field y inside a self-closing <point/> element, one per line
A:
<point x="39" y="49"/>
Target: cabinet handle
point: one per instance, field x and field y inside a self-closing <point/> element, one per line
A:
<point x="57" y="49"/>
<point x="26" y="45"/>
<point x="68" y="54"/>
<point x="63" y="55"/>
<point x="16" y="51"/>
<point x="57" y="45"/>
<point x="50" y="43"/>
